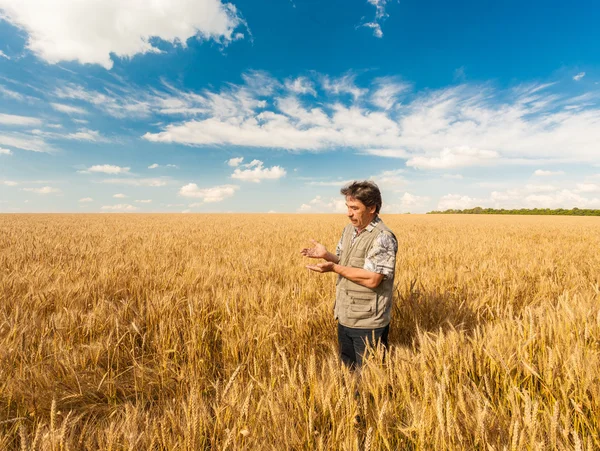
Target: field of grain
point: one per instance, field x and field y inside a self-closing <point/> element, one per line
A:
<point x="189" y="332"/>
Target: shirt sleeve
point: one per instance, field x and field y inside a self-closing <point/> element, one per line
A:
<point x="381" y="258"/>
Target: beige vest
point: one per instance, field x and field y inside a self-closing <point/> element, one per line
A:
<point x="355" y="305"/>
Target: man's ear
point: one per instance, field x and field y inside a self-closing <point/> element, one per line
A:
<point x="372" y="209"/>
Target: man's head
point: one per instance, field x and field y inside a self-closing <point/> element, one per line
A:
<point x="363" y="200"/>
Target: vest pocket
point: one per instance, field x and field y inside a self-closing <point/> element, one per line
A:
<point x="362" y="305"/>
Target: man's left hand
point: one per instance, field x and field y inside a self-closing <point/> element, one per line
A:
<point x="321" y="267"/>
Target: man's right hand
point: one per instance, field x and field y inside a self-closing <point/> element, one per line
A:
<point x="317" y="251"/>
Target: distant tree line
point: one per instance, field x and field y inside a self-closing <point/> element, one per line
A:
<point x="520" y="211"/>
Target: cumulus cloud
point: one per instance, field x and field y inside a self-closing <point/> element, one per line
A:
<point x="4" y="151"/>
<point x="86" y="199"/>
<point x="9" y="183"/>
<point x="321" y="205"/>
<point x="579" y="76"/>
<point x="407" y="203"/>
<point x="343" y="85"/>
<point x="119" y="196"/>
<point x="120" y="207"/>
<point x="43" y="190"/>
<point x="106" y="169"/>
<point x="153" y="166"/>
<point x="454" y="158"/>
<point x="11" y="119"/>
<point x="144" y="201"/>
<point x="235" y="162"/>
<point x="256" y="172"/>
<point x="543" y="173"/>
<point x="68" y="109"/>
<point x="208" y="195"/>
<point x="587" y="188"/>
<point x="458" y="202"/>
<point x="67" y="30"/>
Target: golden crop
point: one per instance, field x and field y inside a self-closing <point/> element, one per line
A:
<point x="127" y="332"/>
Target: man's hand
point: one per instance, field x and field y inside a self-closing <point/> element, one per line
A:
<point x="317" y="251"/>
<point x="321" y="267"/>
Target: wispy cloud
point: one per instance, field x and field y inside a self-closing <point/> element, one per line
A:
<point x="152" y="182"/>
<point x="544" y="173"/>
<point x="43" y="190"/>
<point x="120" y="207"/>
<point x="68" y="109"/>
<point x="86" y="200"/>
<point x="4" y="151"/>
<point x="4" y="55"/>
<point x="380" y="16"/>
<point x="11" y="119"/>
<point x="156" y="166"/>
<point x="579" y="76"/>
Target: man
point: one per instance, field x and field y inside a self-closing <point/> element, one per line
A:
<point x="364" y="261"/>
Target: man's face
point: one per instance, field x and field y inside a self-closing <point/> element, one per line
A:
<point x="360" y="216"/>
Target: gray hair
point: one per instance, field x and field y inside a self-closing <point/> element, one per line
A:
<point x="366" y="191"/>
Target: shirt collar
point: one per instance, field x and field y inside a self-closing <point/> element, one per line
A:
<point x="371" y="225"/>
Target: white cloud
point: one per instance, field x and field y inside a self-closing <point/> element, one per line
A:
<point x="255" y="172"/>
<point x="458" y="202"/>
<point x="542" y="173"/>
<point x="208" y="195"/>
<point x="144" y="201"/>
<point x="4" y="55"/>
<point x="106" y="169"/>
<point x="235" y="162"/>
<point x="454" y="158"/>
<point x="153" y="182"/>
<point x="68" y="109"/>
<point x="390" y="180"/>
<point x="453" y="176"/>
<point x="336" y="183"/>
<point x="120" y="207"/>
<point x="119" y="196"/>
<point x="9" y="93"/>
<point x="86" y="199"/>
<point x="9" y="183"/>
<point x="380" y="15"/>
<point x="540" y="188"/>
<point x="88" y="32"/>
<point x="156" y="165"/>
<point x="44" y="190"/>
<point x="579" y="76"/>
<point x="454" y="127"/>
<point x="4" y="151"/>
<point x="386" y="93"/>
<point x="11" y="119"/>
<point x="342" y="85"/>
<point x="301" y="85"/>
<point x="587" y="188"/>
<point x="407" y="203"/>
<point x="320" y="205"/>
<point x="86" y="135"/>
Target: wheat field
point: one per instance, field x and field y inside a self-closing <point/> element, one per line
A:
<point x="206" y="332"/>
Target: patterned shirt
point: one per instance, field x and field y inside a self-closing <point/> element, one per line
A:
<point x="381" y="258"/>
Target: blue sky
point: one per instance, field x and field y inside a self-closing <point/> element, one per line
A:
<point x="208" y="106"/>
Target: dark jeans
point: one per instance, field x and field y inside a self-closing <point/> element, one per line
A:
<point x="353" y="342"/>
